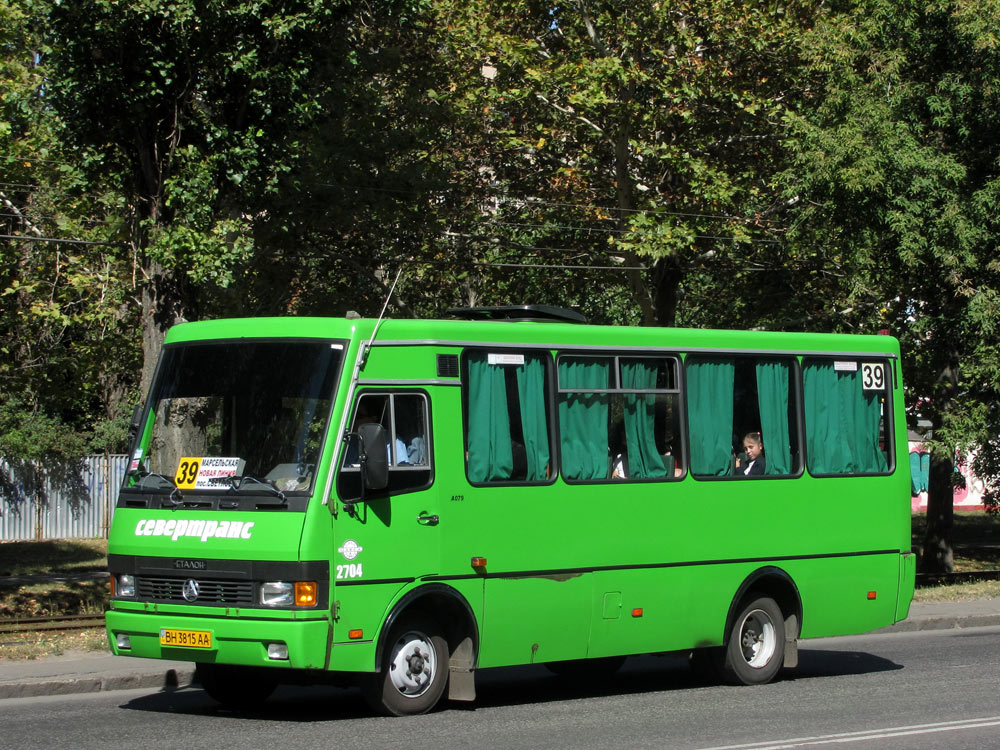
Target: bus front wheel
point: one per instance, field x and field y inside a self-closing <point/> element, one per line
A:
<point x="414" y="669"/>
<point x="755" y="650"/>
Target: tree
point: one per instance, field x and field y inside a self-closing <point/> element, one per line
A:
<point x="896" y="170"/>
<point x="628" y="134"/>
<point x="195" y="109"/>
<point x="62" y="365"/>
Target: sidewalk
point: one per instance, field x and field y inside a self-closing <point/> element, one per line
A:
<point x="89" y="672"/>
<point x="94" y="671"/>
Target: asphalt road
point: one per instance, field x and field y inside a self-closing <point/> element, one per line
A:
<point x="917" y="690"/>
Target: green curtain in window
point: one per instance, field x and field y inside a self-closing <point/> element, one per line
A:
<point x="583" y="419"/>
<point x="772" y="401"/>
<point x="871" y="458"/>
<point x="489" y="443"/>
<point x="710" y="416"/>
<point x="842" y="422"/>
<point x="531" y="393"/>
<point x="644" y="461"/>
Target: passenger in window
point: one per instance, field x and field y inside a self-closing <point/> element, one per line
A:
<point x="409" y="427"/>
<point x="751" y="462"/>
<point x="672" y="465"/>
<point x="619" y="460"/>
<point x="367" y="414"/>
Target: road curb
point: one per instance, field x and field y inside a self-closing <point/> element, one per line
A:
<point x="170" y="679"/>
<point x="943" y="622"/>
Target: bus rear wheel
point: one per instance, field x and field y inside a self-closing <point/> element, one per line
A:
<point x="755" y="650"/>
<point x="414" y="669"/>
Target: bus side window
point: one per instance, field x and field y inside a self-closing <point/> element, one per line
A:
<point x="507" y="421"/>
<point x="405" y="418"/>
<point x="410" y="420"/>
<point x="736" y="401"/>
<point x="618" y="418"/>
<point x="847" y="416"/>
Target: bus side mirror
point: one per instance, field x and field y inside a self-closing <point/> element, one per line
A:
<point x="374" y="457"/>
<point x="134" y="427"/>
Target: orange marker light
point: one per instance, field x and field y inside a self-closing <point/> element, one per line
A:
<point x="478" y="562"/>
<point x="637" y="612"/>
<point x="355" y="635"/>
<point x="872" y="595"/>
<point x="305" y="593"/>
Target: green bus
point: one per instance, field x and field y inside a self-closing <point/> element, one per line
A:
<point x="398" y="503"/>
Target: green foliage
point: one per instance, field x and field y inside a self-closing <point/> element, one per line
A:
<point x="39" y="451"/>
<point x="628" y="134"/>
<point x="30" y="435"/>
<point x="64" y="308"/>
<point x="896" y="170"/>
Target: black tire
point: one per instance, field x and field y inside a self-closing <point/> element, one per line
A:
<point x="414" y="669"/>
<point x="234" y="686"/>
<point x="755" y="650"/>
<point x="583" y="669"/>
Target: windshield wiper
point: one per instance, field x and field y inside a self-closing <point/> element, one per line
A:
<point x="176" y="497"/>
<point x="236" y="485"/>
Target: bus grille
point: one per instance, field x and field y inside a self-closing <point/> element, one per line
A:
<point x="228" y="593"/>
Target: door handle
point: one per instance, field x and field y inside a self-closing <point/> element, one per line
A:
<point x="426" y="520"/>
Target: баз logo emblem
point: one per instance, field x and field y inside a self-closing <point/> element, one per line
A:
<point x="190" y="590"/>
<point x="351" y="549"/>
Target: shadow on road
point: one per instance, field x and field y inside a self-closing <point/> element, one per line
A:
<point x="508" y="686"/>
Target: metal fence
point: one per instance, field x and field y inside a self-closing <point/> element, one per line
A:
<point x="74" y="502"/>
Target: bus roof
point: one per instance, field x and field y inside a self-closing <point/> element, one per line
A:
<point x="521" y="332"/>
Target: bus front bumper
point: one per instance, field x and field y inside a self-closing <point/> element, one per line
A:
<point x="258" y="642"/>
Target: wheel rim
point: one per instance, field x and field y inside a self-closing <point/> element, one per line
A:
<point x="757" y="639"/>
<point x="413" y="664"/>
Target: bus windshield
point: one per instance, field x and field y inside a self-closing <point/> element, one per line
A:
<point x="237" y="415"/>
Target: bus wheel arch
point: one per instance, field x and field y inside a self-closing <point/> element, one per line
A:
<point x="440" y="611"/>
<point x="762" y="627"/>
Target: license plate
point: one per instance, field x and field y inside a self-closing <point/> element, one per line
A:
<point x="185" y="638"/>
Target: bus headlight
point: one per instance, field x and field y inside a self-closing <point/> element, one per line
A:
<point x="124" y="585"/>
<point x="288" y="594"/>
<point x="277" y="594"/>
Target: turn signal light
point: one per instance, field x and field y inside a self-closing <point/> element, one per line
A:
<point x="872" y="595"/>
<point x="355" y="635"/>
<point x="478" y="562"/>
<point x="306" y="593"/>
<point x="637" y="612"/>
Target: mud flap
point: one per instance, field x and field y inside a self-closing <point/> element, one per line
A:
<point x="461" y="684"/>
<point x="791" y="642"/>
<point x="791" y="653"/>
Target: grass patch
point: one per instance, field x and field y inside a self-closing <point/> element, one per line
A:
<point x="53" y="556"/>
<point x="21" y="646"/>
<point x="88" y="597"/>
<point x="47" y="599"/>
<point x="958" y="592"/>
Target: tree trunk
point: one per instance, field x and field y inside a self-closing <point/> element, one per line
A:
<point x="937" y="556"/>
<point x="164" y="303"/>
<point x="667" y="277"/>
